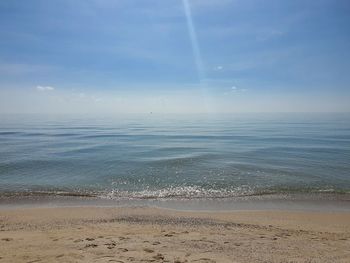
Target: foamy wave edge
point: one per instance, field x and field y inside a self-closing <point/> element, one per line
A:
<point x="180" y="192"/>
<point x="185" y="192"/>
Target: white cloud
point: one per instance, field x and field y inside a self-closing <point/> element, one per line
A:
<point x="236" y="89"/>
<point x="45" y="88"/>
<point x="219" y="68"/>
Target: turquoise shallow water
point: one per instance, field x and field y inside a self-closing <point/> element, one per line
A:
<point x="159" y="156"/>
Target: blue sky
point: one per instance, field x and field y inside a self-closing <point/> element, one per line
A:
<point x="151" y="55"/>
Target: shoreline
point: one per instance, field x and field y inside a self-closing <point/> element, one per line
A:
<point x="148" y="234"/>
<point x="321" y="202"/>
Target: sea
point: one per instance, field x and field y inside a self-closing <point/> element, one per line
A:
<point x="161" y="156"/>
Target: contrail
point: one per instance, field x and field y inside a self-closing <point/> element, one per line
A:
<point x="194" y="42"/>
<point x="197" y="56"/>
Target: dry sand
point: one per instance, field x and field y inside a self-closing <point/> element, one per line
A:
<point x="97" y="234"/>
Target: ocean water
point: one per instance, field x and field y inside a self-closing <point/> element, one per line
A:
<point x="169" y="156"/>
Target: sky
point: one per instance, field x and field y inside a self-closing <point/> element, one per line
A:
<point x="174" y="56"/>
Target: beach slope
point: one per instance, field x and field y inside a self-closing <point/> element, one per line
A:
<point x="102" y="234"/>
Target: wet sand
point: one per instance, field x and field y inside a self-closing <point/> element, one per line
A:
<point x="138" y="234"/>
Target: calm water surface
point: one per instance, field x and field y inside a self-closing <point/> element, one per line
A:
<point x="159" y="156"/>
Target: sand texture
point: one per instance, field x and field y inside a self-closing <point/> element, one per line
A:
<point x="97" y="234"/>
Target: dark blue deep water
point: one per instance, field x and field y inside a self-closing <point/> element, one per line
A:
<point x="153" y="156"/>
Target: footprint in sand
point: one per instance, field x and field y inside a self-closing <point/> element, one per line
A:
<point x="7" y="239"/>
<point x="91" y="245"/>
<point x="89" y="239"/>
<point x="111" y="245"/>
<point x="155" y="243"/>
<point x="158" y="257"/>
<point x="148" y="250"/>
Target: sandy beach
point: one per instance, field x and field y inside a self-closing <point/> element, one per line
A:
<point x="138" y="234"/>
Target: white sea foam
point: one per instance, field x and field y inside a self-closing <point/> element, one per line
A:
<point x="178" y="192"/>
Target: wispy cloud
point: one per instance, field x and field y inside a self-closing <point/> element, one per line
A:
<point x="44" y="88"/>
<point x="235" y="89"/>
<point x="218" y="68"/>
